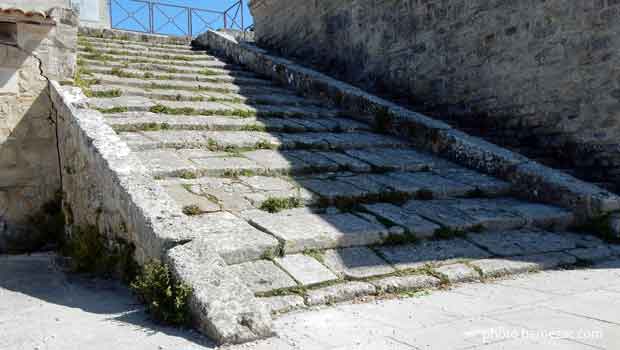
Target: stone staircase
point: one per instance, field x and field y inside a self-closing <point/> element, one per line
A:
<point x="307" y="205"/>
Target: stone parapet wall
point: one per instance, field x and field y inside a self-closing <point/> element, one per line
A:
<point x="106" y="187"/>
<point x="30" y="54"/>
<point x="539" y="76"/>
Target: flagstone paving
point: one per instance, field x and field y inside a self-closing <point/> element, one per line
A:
<point x="305" y="204"/>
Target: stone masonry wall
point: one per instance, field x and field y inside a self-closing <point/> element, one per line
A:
<point x="30" y="55"/>
<point x="539" y="76"/>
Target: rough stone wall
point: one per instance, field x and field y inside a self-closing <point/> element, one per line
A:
<point x="30" y="54"/>
<point x="539" y="76"/>
<point x="105" y="187"/>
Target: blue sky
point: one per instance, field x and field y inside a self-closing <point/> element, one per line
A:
<point x="120" y="19"/>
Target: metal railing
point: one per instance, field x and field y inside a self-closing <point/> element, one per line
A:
<point x="160" y="18"/>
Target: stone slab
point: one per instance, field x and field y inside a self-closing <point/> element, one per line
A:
<point x="405" y="283"/>
<point x="186" y="198"/>
<point x="275" y="161"/>
<point x="262" y="276"/>
<point x="415" y="256"/>
<point x="458" y="273"/>
<point x="233" y="238"/>
<point x="356" y="262"/>
<point x="305" y="269"/>
<point x="505" y="266"/>
<point x="301" y="231"/>
<point x="284" y="303"/>
<point x="593" y="254"/>
<point x="521" y="242"/>
<point x="346" y="162"/>
<point x="338" y="293"/>
<point x="412" y="223"/>
<point x="394" y="159"/>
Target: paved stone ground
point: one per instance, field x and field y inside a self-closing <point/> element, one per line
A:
<point x="43" y="308"/>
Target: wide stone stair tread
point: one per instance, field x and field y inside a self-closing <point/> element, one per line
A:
<point x="182" y="76"/>
<point x="149" y="54"/>
<point x="136" y="121"/>
<point x="181" y="67"/>
<point x="252" y="98"/>
<point x="95" y="41"/>
<point x="186" y="85"/>
<point x="206" y="63"/>
<point x="83" y="45"/>
<point x="231" y="140"/>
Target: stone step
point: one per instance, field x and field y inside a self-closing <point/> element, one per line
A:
<point x="98" y="40"/>
<point x="345" y="190"/>
<point x="131" y="45"/>
<point x="253" y="140"/>
<point x="384" y="222"/>
<point x="287" y="99"/>
<point x="109" y="51"/>
<point x="198" y="162"/>
<point x="108" y="79"/>
<point x="216" y="68"/>
<point x="148" y="121"/>
<point x="143" y="104"/>
<point x="147" y="74"/>
<point x="207" y="63"/>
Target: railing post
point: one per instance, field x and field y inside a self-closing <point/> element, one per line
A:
<point x="151" y="18"/>
<point x="242" y="26"/>
<point x="189" y="23"/>
<point x="225" y="20"/>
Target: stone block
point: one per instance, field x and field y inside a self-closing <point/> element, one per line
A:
<point x="356" y="262"/>
<point x="405" y="283"/>
<point x="305" y="269"/>
<point x="458" y="273"/>
<point x="262" y="276"/>
<point x="338" y="293"/>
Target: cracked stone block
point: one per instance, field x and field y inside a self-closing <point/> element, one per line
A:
<point x="302" y="230"/>
<point x="333" y="189"/>
<point x="545" y="216"/>
<point x="507" y="266"/>
<point x="165" y="162"/>
<point x="405" y="283"/>
<point x="487" y="184"/>
<point x="415" y="256"/>
<point x="347" y="162"/>
<point x="366" y="183"/>
<point x="185" y="198"/>
<point x="315" y="160"/>
<point x="339" y="292"/>
<point x="283" y="304"/>
<point x="275" y="161"/>
<point x="492" y="214"/>
<point x="441" y="187"/>
<point x="305" y="269"/>
<point x="262" y="276"/>
<point x="440" y="213"/>
<point x="413" y="224"/>
<point x="394" y="159"/>
<point x="233" y="238"/>
<point x="356" y="262"/>
<point x="521" y="242"/>
<point x="458" y="273"/>
<point x="220" y="165"/>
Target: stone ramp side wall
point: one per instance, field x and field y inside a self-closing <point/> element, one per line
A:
<point x="106" y="187"/>
<point x="30" y="54"/>
<point x="530" y="179"/>
<point x="537" y="75"/>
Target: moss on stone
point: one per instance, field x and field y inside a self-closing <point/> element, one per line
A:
<point x="276" y="205"/>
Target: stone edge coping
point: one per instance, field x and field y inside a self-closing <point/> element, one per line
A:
<point x="530" y="179"/>
<point x="221" y="305"/>
<point x="106" y="33"/>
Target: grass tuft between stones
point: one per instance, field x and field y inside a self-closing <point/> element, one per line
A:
<point x="276" y="205"/>
<point x="166" y="300"/>
<point x="192" y="210"/>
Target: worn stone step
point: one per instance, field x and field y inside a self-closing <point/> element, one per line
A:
<point x="147" y="74"/>
<point x="108" y="79"/>
<point x="171" y="56"/>
<point x="318" y="190"/>
<point x="216" y="68"/>
<point x="460" y="215"/>
<point x="148" y="121"/>
<point x="207" y="63"/>
<point x="299" y="231"/>
<point x="143" y="104"/>
<point x="199" y="162"/>
<point x="259" y="98"/>
<point x="249" y="140"/>
<point x="132" y="45"/>
<point x="99" y="40"/>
